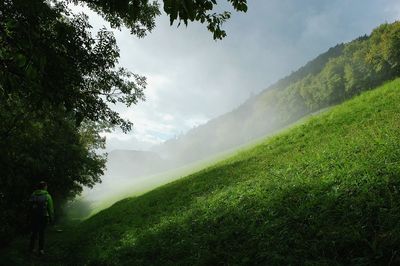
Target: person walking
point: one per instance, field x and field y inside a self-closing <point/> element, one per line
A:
<point x="42" y="212"/>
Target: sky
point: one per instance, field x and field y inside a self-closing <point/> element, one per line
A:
<point x="192" y="78"/>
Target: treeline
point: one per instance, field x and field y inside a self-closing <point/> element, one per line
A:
<point x="336" y="75"/>
<point x="363" y="64"/>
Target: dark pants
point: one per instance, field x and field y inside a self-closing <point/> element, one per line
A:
<point x="38" y="226"/>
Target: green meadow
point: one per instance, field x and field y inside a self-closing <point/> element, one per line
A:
<point x="324" y="192"/>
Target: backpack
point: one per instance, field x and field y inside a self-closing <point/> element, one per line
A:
<point x="39" y="205"/>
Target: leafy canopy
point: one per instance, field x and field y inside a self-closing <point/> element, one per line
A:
<point x="139" y="15"/>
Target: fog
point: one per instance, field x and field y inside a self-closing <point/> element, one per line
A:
<point x="131" y="173"/>
<point x="202" y="95"/>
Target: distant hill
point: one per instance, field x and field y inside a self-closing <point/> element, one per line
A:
<point x="333" y="77"/>
<point x="252" y="119"/>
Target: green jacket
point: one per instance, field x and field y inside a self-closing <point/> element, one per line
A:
<point x="49" y="201"/>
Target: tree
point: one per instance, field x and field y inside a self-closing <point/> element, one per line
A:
<point x="57" y="82"/>
<point x="53" y="55"/>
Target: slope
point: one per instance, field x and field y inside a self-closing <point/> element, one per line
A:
<point x="326" y="192"/>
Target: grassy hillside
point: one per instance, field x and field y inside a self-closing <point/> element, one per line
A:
<point x="326" y="192"/>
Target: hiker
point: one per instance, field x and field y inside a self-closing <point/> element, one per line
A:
<point x="42" y="212"/>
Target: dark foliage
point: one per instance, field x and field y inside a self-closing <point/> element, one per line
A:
<point x="139" y="15"/>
